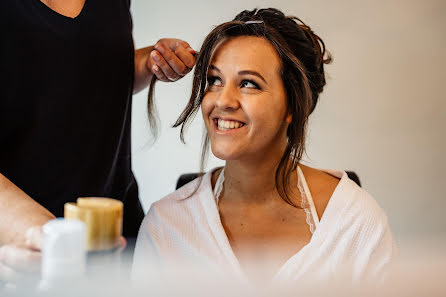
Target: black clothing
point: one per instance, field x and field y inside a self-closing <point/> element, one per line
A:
<point x="65" y="104"/>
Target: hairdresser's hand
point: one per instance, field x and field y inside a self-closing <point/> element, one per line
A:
<point x="21" y="262"/>
<point x="171" y="59"/>
<point x="122" y="243"/>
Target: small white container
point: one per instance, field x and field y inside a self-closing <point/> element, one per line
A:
<point x="63" y="252"/>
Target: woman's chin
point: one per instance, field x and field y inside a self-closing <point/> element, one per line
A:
<point x="225" y="154"/>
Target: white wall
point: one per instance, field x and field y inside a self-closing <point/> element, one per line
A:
<point x="382" y="114"/>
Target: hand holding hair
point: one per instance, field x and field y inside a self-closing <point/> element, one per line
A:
<point x="171" y="59"/>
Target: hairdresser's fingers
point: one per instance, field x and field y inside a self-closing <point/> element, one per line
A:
<point x="173" y="43"/>
<point x="168" y="72"/>
<point x="186" y="56"/>
<point x="182" y="49"/>
<point x="7" y="274"/>
<point x="172" y="60"/>
<point x="21" y="259"/>
<point x="157" y="71"/>
<point x="122" y="242"/>
<point x="34" y="237"/>
<point x="154" y="58"/>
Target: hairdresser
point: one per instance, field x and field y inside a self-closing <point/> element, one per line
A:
<point x="68" y="72"/>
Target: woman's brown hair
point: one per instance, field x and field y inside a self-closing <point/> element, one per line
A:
<point x="302" y="54"/>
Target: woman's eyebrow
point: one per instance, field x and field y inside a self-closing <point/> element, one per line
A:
<point x="243" y="72"/>
<point x="214" y="68"/>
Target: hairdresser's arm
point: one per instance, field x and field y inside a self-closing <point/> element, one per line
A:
<point x="18" y="212"/>
<point x="169" y="59"/>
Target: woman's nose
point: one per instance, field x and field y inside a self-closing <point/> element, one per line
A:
<point x="228" y="98"/>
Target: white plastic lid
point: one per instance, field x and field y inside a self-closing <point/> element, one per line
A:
<point x="64" y="249"/>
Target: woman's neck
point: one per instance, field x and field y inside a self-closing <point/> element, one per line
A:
<point x="252" y="181"/>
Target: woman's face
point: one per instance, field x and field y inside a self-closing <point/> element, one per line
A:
<point x="244" y="107"/>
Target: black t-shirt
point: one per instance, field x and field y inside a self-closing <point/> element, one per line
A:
<point x="65" y="103"/>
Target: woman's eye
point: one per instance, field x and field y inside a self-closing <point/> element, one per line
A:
<point x="249" y="84"/>
<point x="214" y="81"/>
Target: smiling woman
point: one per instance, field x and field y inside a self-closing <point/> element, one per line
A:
<point x="244" y="108"/>
<point x="264" y="216"/>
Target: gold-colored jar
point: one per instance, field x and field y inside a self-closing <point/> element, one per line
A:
<point x="103" y="219"/>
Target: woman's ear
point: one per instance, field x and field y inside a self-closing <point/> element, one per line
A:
<point x="289" y="118"/>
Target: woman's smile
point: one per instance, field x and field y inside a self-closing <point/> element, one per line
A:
<point x="226" y="125"/>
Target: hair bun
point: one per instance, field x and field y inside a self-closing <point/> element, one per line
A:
<point x="318" y="43"/>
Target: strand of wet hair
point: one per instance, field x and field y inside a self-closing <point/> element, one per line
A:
<point x="151" y="110"/>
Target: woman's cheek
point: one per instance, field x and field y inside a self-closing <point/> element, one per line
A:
<point x="205" y="108"/>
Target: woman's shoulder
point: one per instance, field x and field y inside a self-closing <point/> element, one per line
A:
<point x="334" y="191"/>
<point x="354" y="215"/>
<point x="352" y="206"/>
<point x="322" y="185"/>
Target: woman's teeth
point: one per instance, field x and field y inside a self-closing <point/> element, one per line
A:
<point x="228" y="125"/>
